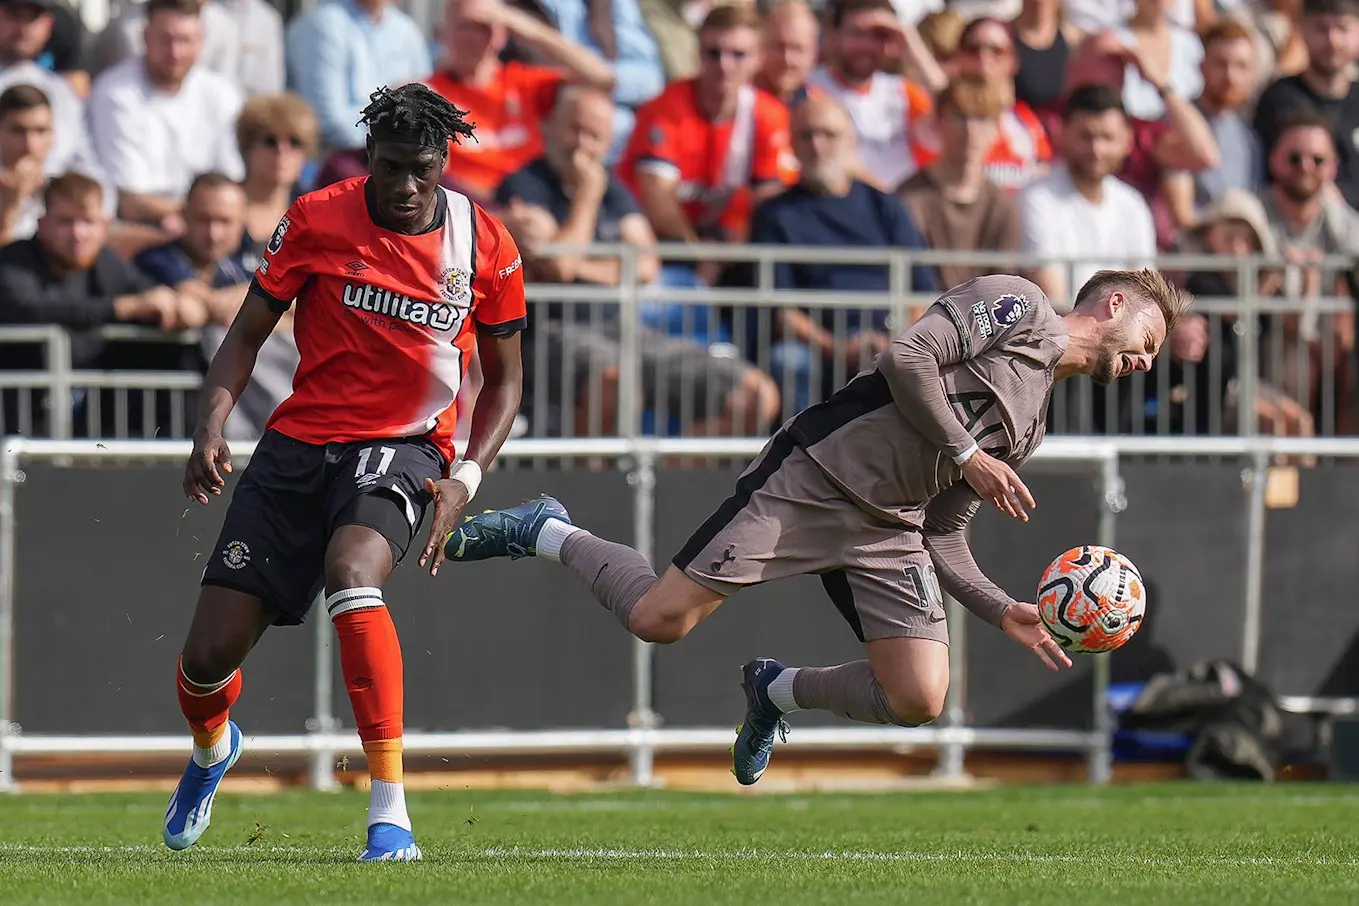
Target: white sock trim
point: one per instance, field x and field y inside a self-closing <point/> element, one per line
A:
<point x="347" y="599"/>
<point x="205" y="690"/>
<point x="781" y="691"/>
<point x="552" y="536"/>
<point x="387" y="804"/>
<point x="215" y="754"/>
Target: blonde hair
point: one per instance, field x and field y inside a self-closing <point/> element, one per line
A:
<point x="942" y="32"/>
<point x="277" y="114"/>
<point x="973" y="95"/>
<point x="1146" y="285"/>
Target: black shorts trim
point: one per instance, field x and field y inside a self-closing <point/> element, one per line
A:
<point x="384" y="511"/>
<point x="504" y="328"/>
<point x="836" y="584"/>
<point x="281" y="616"/>
<point x="781" y="447"/>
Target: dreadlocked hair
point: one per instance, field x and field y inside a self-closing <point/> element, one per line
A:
<point x="414" y="114"/>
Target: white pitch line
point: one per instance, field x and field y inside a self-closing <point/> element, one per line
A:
<point x="682" y="855"/>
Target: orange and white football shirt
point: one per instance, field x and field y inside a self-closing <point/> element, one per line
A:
<point x="384" y="323"/>
<point x="889" y="114"/>
<point x="715" y="164"/>
<point x="508" y="114"/>
<point x="1017" y="155"/>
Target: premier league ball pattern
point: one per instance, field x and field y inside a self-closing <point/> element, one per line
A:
<point x="1092" y="599"/>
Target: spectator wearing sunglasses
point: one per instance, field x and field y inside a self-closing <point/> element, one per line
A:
<point x="276" y="135"/>
<point x="1310" y="221"/>
<point x="1327" y="85"/>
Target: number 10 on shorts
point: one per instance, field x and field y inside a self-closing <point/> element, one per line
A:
<point x="929" y="596"/>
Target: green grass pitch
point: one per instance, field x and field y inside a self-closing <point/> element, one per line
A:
<point x="1174" y="844"/>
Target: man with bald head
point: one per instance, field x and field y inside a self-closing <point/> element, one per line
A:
<point x="567" y="197"/>
<point x="830" y="207"/>
<point x="791" y="39"/>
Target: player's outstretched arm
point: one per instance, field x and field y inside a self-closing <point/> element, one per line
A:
<point x="503" y="375"/>
<point x="222" y="386"/>
<point x="946" y="520"/>
<point x="912" y="366"/>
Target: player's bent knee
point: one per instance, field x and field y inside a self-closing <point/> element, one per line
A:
<point x="209" y="661"/>
<point x="357" y="557"/>
<point x="671" y="608"/>
<point x="657" y="628"/>
<point x="916" y="703"/>
<point x="914" y="711"/>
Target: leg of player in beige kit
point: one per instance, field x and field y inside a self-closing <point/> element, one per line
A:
<point x="903" y="682"/>
<point x="623" y="581"/>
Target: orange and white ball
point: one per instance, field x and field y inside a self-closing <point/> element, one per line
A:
<point x="1092" y="599"/>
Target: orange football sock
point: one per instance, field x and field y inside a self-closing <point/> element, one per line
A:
<point x="384" y="760"/>
<point x="370" y="657"/>
<point x="206" y="706"/>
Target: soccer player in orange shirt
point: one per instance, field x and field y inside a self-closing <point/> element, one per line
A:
<point x="397" y="281"/>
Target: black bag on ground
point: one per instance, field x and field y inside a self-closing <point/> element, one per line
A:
<point x="1236" y="726"/>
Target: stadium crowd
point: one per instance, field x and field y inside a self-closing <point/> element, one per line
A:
<point x="143" y="167"/>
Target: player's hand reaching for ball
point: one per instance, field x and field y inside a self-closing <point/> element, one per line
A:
<point x="203" y="474"/>
<point x="449" y="499"/>
<point x="1023" y="624"/>
<point x="996" y="482"/>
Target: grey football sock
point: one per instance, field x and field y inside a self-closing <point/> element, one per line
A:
<point x="616" y="574"/>
<point x="850" y="690"/>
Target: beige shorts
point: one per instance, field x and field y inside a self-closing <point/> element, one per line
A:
<point x="787" y="519"/>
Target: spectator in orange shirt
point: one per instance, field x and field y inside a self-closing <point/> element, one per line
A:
<point x="708" y="150"/>
<point x="707" y="146"/>
<point x="791" y="37"/>
<point x="508" y="101"/>
<point x="1020" y="150"/>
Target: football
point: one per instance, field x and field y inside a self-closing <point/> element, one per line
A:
<point x="1092" y="599"/>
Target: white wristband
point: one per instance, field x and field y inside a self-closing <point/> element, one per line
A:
<point x="468" y="474"/>
<point x="967" y="454"/>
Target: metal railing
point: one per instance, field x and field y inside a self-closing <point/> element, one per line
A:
<point x="642" y="738"/>
<point x="1269" y="358"/>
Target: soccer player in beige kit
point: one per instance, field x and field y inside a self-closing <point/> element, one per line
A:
<point x="871" y="490"/>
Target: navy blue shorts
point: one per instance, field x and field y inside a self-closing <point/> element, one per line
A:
<point x="292" y="497"/>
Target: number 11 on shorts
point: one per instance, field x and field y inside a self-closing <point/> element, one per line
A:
<point x="385" y="455"/>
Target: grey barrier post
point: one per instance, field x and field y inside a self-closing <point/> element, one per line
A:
<point x="952" y="755"/>
<point x="642" y="478"/>
<point x="10" y="476"/>
<point x="323" y="721"/>
<point x="1255" y="479"/>
<point x="1113" y="501"/>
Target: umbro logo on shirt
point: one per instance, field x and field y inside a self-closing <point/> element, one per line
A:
<point x="355" y="267"/>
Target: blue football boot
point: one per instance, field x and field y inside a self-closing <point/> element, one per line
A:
<point x="190" y="809"/>
<point x="755" y="737"/>
<point x="389" y="843"/>
<point x="509" y="533"/>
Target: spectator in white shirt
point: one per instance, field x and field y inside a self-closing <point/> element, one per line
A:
<point x="242" y="40"/>
<point x="158" y="121"/>
<point x="121" y="39"/>
<point x="1080" y="211"/>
